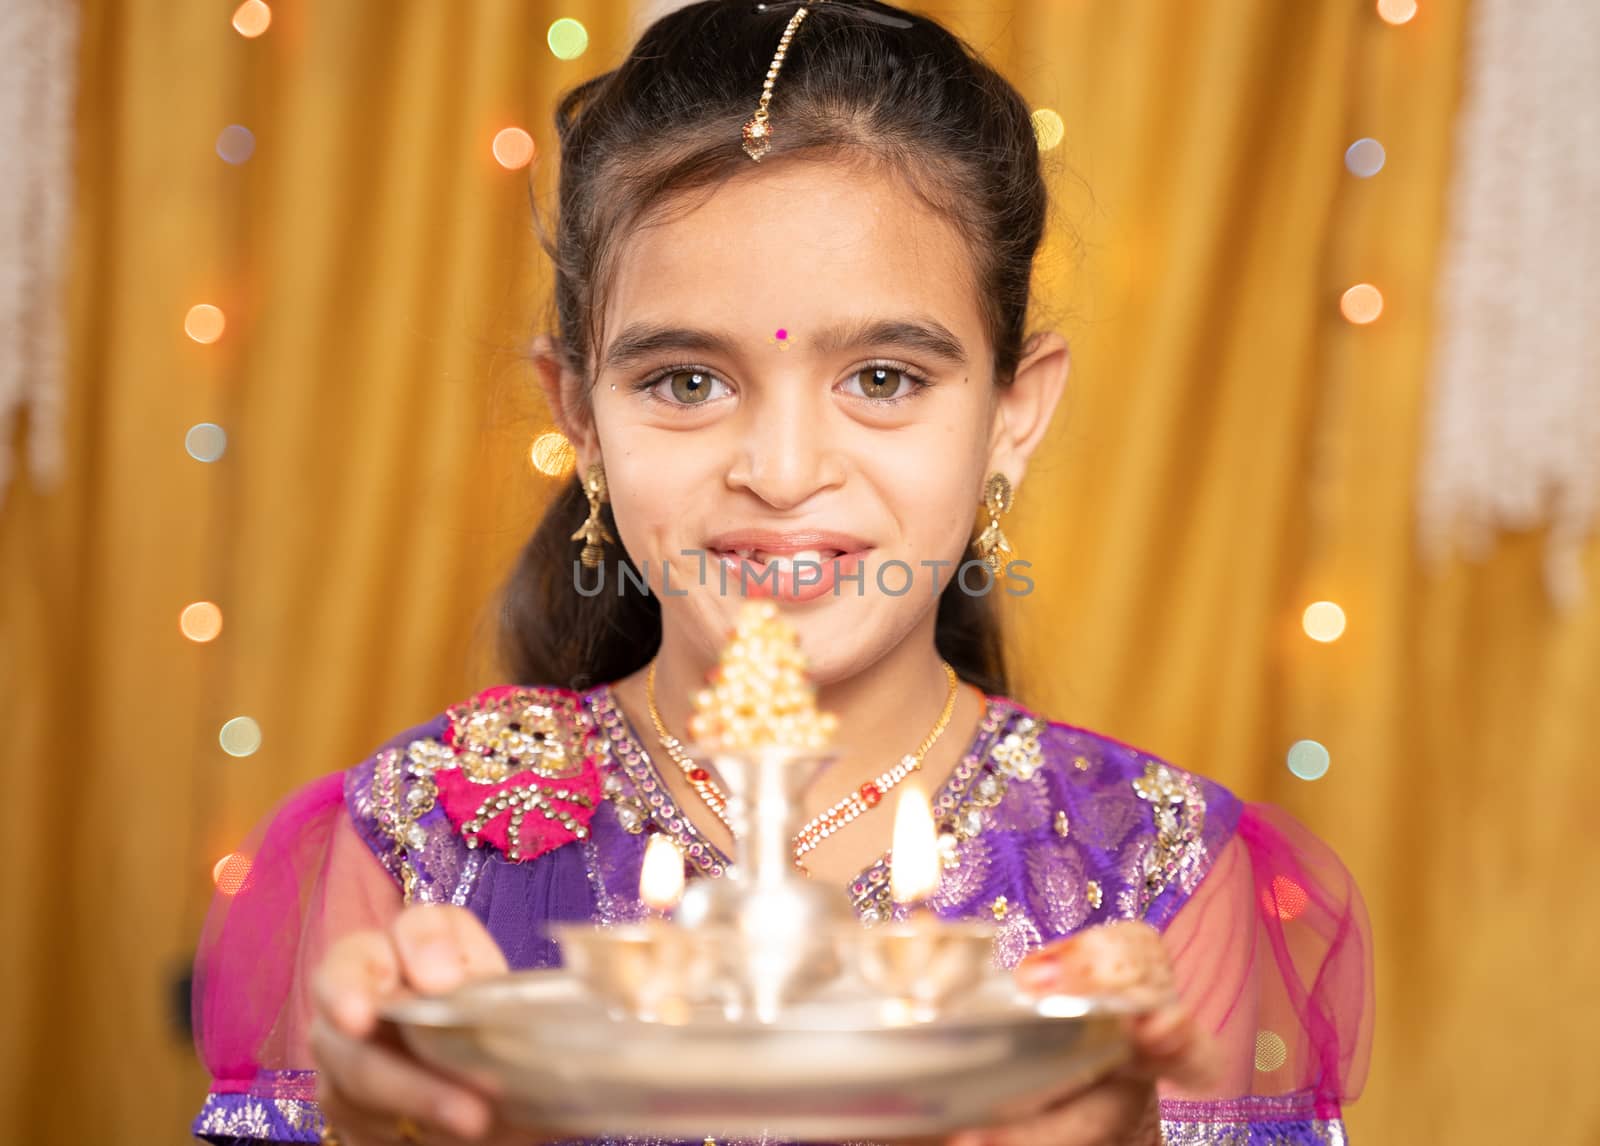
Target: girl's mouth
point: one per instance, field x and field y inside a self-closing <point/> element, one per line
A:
<point x="797" y="575"/>
<point x="762" y="558"/>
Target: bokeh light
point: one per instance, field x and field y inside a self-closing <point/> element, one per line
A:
<point x="1364" y="158"/>
<point x="1323" y="621"/>
<point x="1048" y="128"/>
<point x="568" y="38"/>
<point x="201" y="621"/>
<point x="204" y="323"/>
<point x="1309" y="760"/>
<point x="235" y="143"/>
<point x="1361" y="304"/>
<point x="1397" y="11"/>
<point x="206" y="442"/>
<point x="513" y="148"/>
<point x="1271" y="1051"/>
<point x="1285" y="898"/>
<point x="232" y="872"/>
<point x="240" y="736"/>
<point x="552" y="454"/>
<point x="251" y="18"/>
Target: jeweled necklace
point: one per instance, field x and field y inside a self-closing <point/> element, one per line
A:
<point x="824" y="824"/>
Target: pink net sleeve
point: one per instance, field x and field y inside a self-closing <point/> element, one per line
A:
<point x="1275" y="953"/>
<point x="310" y="879"/>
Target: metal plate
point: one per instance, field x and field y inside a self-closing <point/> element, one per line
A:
<point x="837" y="1067"/>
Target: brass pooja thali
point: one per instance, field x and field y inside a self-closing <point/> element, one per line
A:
<point x="757" y="1005"/>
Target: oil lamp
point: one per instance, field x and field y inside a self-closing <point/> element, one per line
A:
<point x="917" y="958"/>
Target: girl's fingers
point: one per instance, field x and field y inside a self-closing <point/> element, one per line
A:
<point x="371" y="1076"/>
<point x="1127" y="959"/>
<point x="1168" y="1043"/>
<point x="359" y="970"/>
<point x="1120" y="958"/>
<point x="442" y="946"/>
<point x="1113" y="1111"/>
<point x="356" y="1125"/>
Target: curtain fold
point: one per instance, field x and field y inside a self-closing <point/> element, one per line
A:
<point x="1230" y="451"/>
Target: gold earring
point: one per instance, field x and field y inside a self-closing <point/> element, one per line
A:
<point x="593" y="532"/>
<point x="993" y="547"/>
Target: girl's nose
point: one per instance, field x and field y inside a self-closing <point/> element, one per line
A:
<point x="788" y="449"/>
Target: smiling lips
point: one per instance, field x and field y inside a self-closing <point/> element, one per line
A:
<point x="794" y="566"/>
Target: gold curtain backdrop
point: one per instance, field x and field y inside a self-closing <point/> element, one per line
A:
<point x="1231" y="450"/>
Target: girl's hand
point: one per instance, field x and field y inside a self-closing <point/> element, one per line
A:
<point x="1122" y="958"/>
<point x="367" y="1082"/>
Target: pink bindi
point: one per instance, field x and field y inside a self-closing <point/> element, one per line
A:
<point x="782" y="333"/>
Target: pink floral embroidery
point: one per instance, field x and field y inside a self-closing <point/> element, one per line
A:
<point x="524" y="777"/>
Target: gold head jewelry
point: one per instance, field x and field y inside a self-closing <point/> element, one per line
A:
<point x="759" y="694"/>
<point x="993" y="547"/>
<point x="758" y="128"/>
<point x="593" y="532"/>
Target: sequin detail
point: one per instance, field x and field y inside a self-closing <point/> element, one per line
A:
<point x="247" y="1120"/>
<point x="637" y="791"/>
<point x="279" y="1107"/>
<point x="298" y="1114"/>
<point x="1307" y="1132"/>
<point x="1254" y="1120"/>
<point x="507" y="730"/>
<point x="517" y="802"/>
<point x="1178" y="853"/>
<point x="396" y="816"/>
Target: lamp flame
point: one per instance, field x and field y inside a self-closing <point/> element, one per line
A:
<point x="914" y="861"/>
<point x="661" y="878"/>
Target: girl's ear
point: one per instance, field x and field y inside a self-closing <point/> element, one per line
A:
<point x="1023" y="410"/>
<point x="563" y="394"/>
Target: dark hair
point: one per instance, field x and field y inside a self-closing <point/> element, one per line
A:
<point x="861" y="80"/>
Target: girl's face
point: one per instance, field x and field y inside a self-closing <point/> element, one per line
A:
<point x="795" y="368"/>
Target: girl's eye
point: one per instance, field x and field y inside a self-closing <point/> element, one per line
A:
<point x="688" y="386"/>
<point x="885" y="383"/>
<point x="879" y="381"/>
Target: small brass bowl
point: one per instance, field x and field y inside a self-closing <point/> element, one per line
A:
<point x="924" y="961"/>
<point x="650" y="970"/>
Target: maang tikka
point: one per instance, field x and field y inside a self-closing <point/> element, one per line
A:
<point x="992" y="545"/>
<point x="758" y="129"/>
<point x="593" y="532"/>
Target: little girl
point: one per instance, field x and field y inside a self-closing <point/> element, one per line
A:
<point x="790" y="349"/>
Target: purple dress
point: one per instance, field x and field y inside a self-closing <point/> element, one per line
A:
<point x="1046" y="829"/>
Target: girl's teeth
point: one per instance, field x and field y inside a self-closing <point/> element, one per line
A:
<point x="785" y="560"/>
<point x="811" y="557"/>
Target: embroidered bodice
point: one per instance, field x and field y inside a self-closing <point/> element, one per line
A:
<point x="531" y="805"/>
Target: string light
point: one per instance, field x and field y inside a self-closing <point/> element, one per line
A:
<point x="232" y="872"/>
<point x="553" y="455"/>
<point x="1364" y="158"/>
<point x="1397" y="11"/>
<point x="1309" y="760"/>
<point x="1048" y="128"/>
<point x="204" y="323"/>
<point x="251" y="18"/>
<point x="241" y="736"/>
<point x="1361" y="304"/>
<point x="568" y="39"/>
<point x="206" y="442"/>
<point x="1323" y="621"/>
<point x="513" y="148"/>
<point x="235" y="144"/>
<point x="201" y="622"/>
